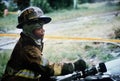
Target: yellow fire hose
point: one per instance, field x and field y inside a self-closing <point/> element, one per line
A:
<point x="69" y="38"/>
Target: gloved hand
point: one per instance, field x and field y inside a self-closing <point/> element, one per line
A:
<point x="80" y="65"/>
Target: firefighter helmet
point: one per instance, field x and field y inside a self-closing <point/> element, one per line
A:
<point x="31" y="15"/>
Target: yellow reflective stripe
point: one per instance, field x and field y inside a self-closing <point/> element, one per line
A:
<point x="27" y="74"/>
<point x="57" y="69"/>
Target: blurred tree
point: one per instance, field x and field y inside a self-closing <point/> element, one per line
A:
<point x="22" y="4"/>
<point x="2" y="8"/>
<point x="75" y="2"/>
<point x="58" y="4"/>
<point x="49" y="5"/>
<point x="43" y="4"/>
<point x="91" y="1"/>
<point x="12" y="6"/>
<point x="83" y="1"/>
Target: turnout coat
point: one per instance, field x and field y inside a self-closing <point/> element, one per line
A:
<point x="27" y="63"/>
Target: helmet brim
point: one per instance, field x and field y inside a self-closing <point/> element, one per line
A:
<point x="44" y="20"/>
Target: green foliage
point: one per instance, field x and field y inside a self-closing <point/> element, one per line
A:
<point x="49" y="5"/>
<point x="58" y="4"/>
<point x="83" y="1"/>
<point x="117" y="33"/>
<point x="43" y="4"/>
<point x="90" y="1"/>
<point x="100" y="53"/>
<point x="4" y="57"/>
<point x="2" y="7"/>
<point x="7" y="23"/>
<point x="12" y="6"/>
<point x="62" y="51"/>
<point x="106" y="57"/>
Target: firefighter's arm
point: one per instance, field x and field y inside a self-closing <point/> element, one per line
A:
<point x="35" y="62"/>
<point x="38" y="64"/>
<point x="66" y="68"/>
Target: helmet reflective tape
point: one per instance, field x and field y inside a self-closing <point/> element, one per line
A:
<point x="27" y="74"/>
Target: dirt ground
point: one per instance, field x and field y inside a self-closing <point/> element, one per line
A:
<point x="95" y="26"/>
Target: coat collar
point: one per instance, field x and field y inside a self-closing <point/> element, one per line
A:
<point x="26" y="40"/>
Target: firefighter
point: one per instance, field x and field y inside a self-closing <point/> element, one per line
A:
<point x="26" y="62"/>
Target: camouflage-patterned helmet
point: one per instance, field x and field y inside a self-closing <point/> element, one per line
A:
<point x="32" y="15"/>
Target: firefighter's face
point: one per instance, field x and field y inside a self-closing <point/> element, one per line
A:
<point x="39" y="32"/>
